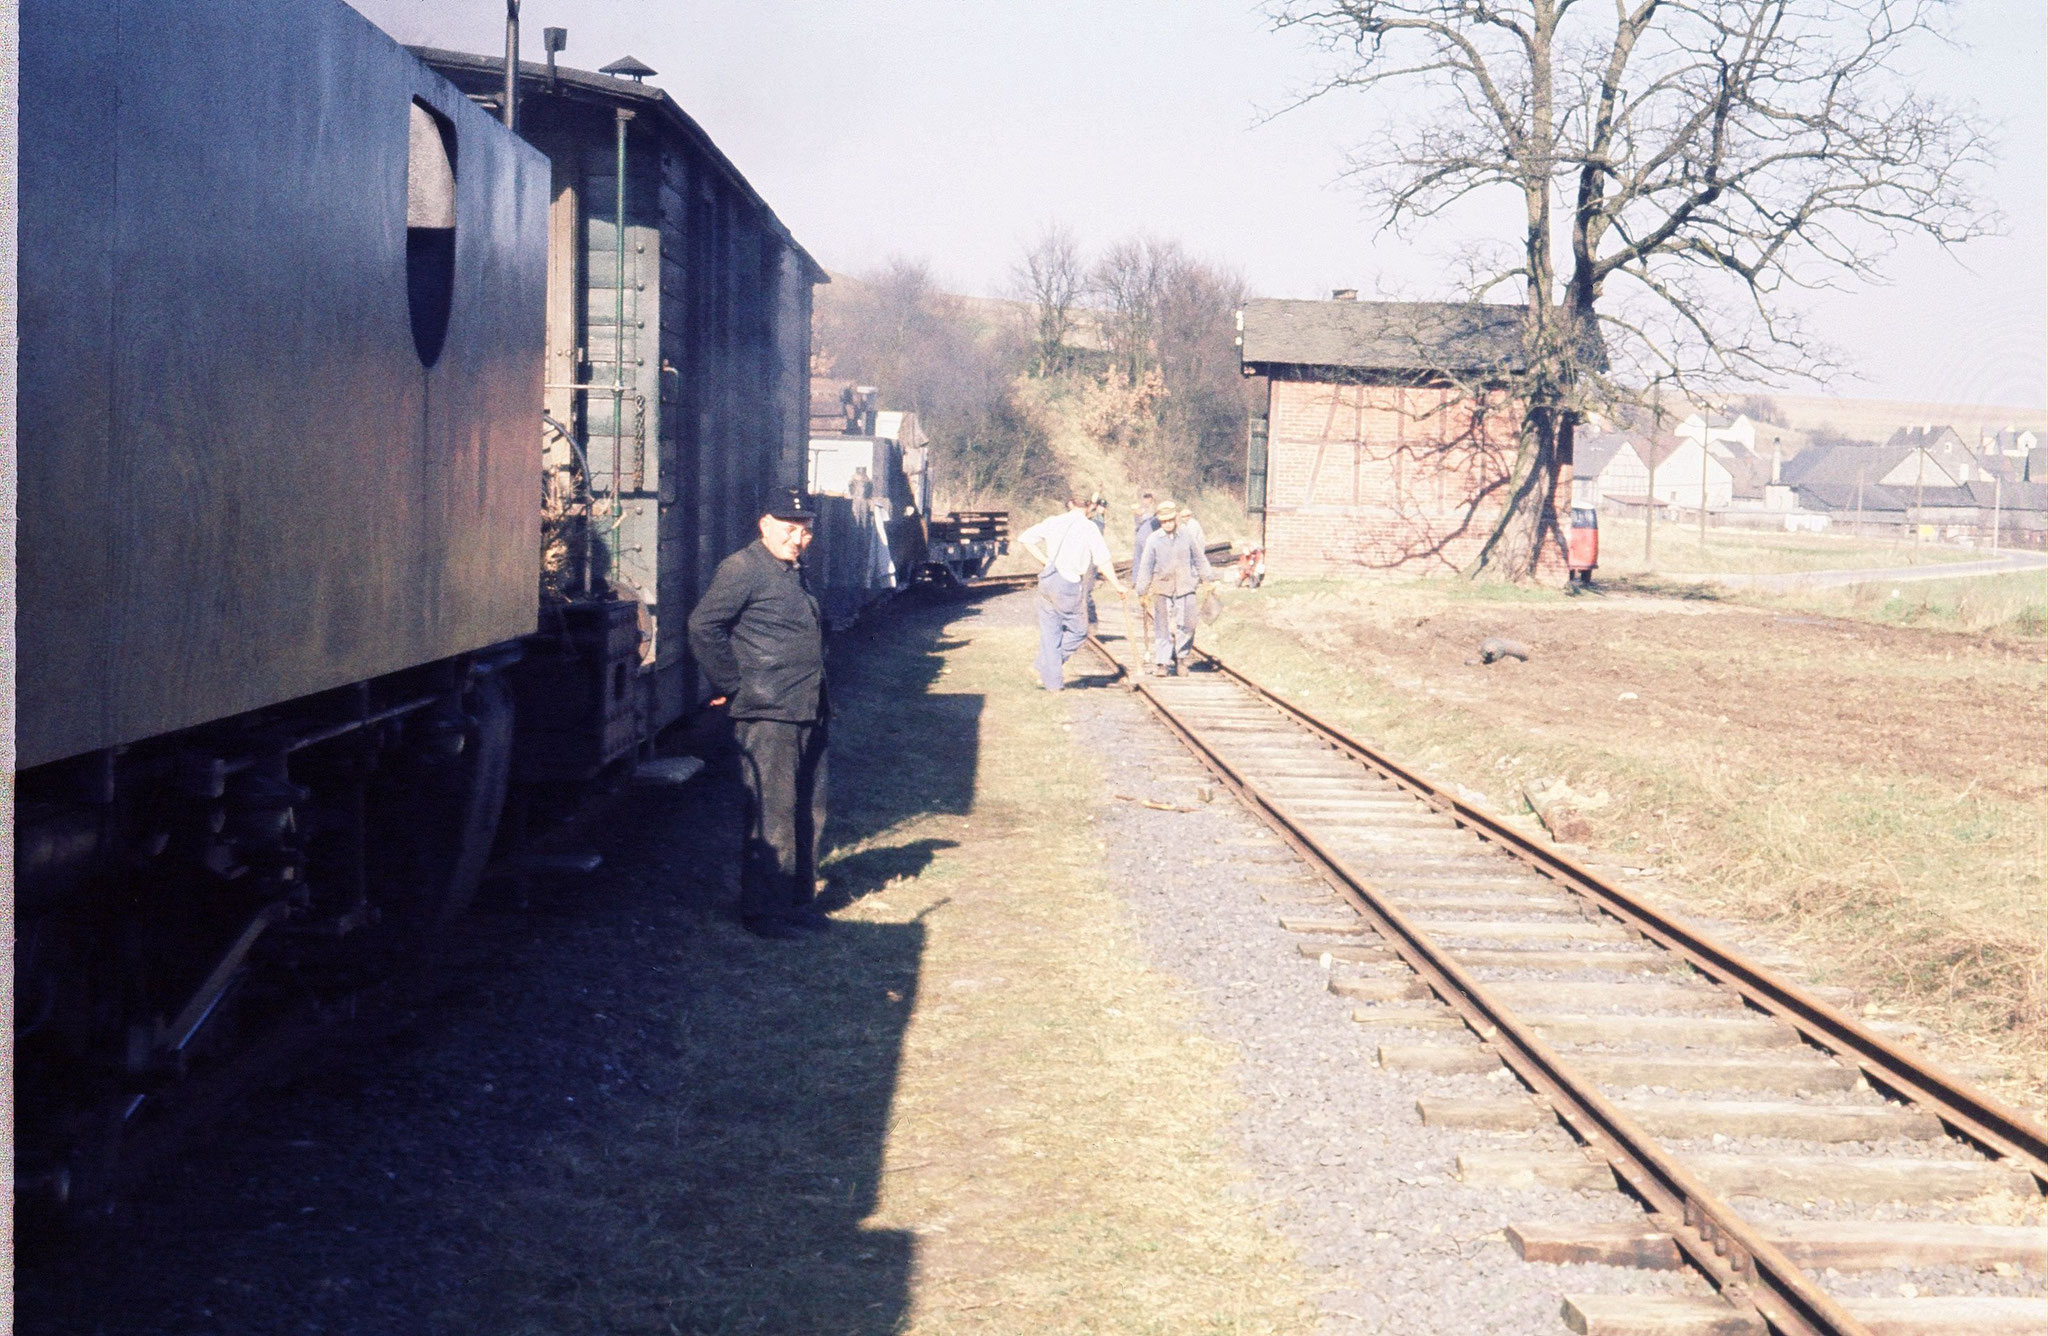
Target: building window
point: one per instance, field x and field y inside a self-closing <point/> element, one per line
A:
<point x="430" y="230"/>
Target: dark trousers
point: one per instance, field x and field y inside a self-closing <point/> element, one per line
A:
<point x="782" y="767"/>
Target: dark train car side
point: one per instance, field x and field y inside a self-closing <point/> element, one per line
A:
<point x="678" y="372"/>
<point x="244" y="479"/>
<point x="302" y="328"/>
<point x="280" y="382"/>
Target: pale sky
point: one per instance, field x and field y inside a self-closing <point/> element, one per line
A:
<point x="950" y="132"/>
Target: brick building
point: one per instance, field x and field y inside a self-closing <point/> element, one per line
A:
<point x="1388" y="438"/>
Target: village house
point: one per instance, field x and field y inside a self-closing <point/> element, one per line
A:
<point x="1713" y="432"/>
<point x="1388" y="436"/>
<point x="1924" y="480"/>
<point x="2013" y="442"/>
<point x="1631" y="469"/>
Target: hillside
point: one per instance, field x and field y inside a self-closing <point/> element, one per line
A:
<point x="1877" y="419"/>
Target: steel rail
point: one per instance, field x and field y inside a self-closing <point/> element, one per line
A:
<point x="1025" y="580"/>
<point x="1974" y="1114"/>
<point x="1750" y="1273"/>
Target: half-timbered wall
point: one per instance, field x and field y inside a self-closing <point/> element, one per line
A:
<point x="1386" y="477"/>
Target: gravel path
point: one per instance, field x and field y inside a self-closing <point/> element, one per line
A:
<point x="1333" y="1144"/>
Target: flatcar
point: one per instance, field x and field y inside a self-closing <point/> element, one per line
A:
<point x="370" y="458"/>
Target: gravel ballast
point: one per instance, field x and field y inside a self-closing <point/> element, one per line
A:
<point x="1333" y="1145"/>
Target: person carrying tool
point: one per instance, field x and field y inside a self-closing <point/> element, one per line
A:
<point x="1146" y="523"/>
<point x="1171" y="572"/>
<point x="1071" y="552"/>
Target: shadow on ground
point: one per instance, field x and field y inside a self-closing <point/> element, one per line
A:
<point x="622" y="1114"/>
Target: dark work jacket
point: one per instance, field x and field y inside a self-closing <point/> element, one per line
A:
<point x="757" y="636"/>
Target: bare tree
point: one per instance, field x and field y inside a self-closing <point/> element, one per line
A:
<point x="1052" y="277"/>
<point x="1710" y="158"/>
<point x="896" y="329"/>
<point x="1125" y="284"/>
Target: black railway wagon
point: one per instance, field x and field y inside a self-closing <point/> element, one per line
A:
<point x="678" y="359"/>
<point x="290" y="603"/>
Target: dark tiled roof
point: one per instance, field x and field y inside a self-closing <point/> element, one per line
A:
<point x="1455" y="338"/>
<point x="2008" y="495"/>
<point x="1593" y="451"/>
<point x="1843" y="465"/>
<point x="1842" y="497"/>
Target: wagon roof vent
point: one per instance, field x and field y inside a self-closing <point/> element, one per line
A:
<point x="626" y="67"/>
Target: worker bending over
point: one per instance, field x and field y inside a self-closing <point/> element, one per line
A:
<point x="1071" y="551"/>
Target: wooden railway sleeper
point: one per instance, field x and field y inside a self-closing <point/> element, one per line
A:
<point x="1998" y="1131"/>
<point x="1790" y="1301"/>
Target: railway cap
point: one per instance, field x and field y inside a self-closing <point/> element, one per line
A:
<point x="792" y="504"/>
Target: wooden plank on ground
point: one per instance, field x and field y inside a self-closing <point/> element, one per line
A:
<point x="1485" y="1115"/>
<point x="1960" y="1315"/>
<point x="1438" y="1059"/>
<point x="1566" y="961"/>
<point x="1378" y="988"/>
<point x="1596" y="1243"/>
<point x="1409" y="1018"/>
<point x="1678" y="1031"/>
<point x="1861" y="1245"/>
<point x="1657" y="1315"/>
<point x="1856" y="1178"/>
<point x="1522" y="930"/>
<point x="1780" y="1118"/>
<point x="1646" y="995"/>
<point x="1532" y="1168"/>
<point x="1355" y="953"/>
<point x="1777" y="1075"/>
<point x="1353" y="926"/>
<point x="1845" y="1245"/>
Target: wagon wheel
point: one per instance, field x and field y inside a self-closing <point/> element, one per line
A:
<point x="437" y="821"/>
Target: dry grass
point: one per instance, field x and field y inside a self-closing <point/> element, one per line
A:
<point x="1877" y="796"/>
<point x="969" y="1108"/>
<point x="1677" y="547"/>
<point x="1058" y="1140"/>
<point x="2009" y="607"/>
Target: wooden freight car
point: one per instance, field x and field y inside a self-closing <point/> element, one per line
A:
<point x="678" y="384"/>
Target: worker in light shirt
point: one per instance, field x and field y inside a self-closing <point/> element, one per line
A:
<point x="1070" y="552"/>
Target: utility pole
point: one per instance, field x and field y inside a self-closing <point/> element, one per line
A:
<point x="1919" y="496"/>
<point x="1706" y="457"/>
<point x="1650" y="463"/>
<point x="1650" y="503"/>
<point x="511" y="64"/>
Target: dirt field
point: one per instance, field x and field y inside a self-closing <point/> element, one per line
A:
<point x="1877" y="795"/>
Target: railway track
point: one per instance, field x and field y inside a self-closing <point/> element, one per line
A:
<point x="1217" y="552"/>
<point x="1725" y="1099"/>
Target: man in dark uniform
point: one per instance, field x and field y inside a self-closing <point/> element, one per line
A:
<point x="757" y="636"/>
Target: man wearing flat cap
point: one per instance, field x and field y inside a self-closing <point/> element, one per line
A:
<point x="1171" y="571"/>
<point x="758" y="637"/>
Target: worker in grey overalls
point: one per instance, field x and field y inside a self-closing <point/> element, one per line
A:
<point x="1070" y="552"/>
<point x="1171" y="572"/>
<point x="1145" y="524"/>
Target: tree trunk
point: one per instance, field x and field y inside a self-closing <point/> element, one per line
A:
<point x="1528" y="523"/>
